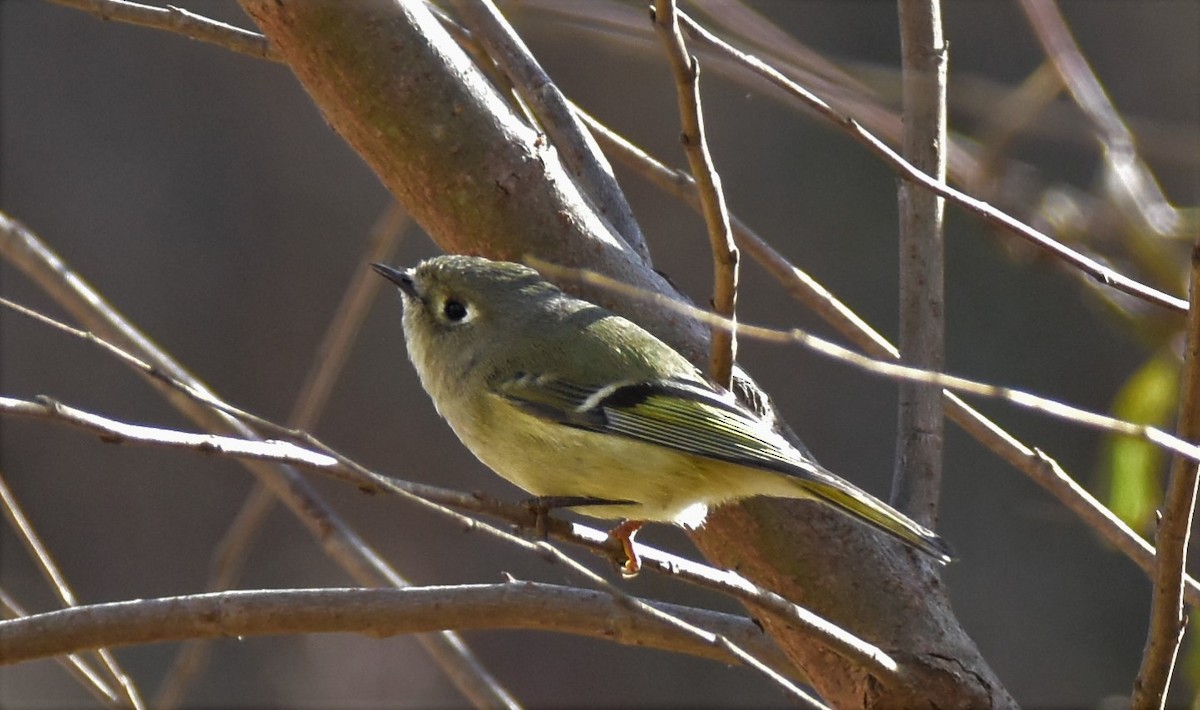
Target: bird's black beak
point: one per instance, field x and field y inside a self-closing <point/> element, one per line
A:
<point x="400" y="278"/>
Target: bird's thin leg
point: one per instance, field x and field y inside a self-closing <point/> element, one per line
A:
<point x="624" y="533"/>
<point x="542" y="505"/>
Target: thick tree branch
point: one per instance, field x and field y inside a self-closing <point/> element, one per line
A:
<point x="581" y="156"/>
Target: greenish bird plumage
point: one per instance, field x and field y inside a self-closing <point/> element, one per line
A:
<point x="568" y="400"/>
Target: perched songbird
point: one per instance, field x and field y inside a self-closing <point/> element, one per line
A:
<point x="585" y="409"/>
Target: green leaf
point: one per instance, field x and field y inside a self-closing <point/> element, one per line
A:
<point x="1132" y="468"/>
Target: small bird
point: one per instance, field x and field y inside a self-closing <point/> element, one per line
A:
<point x="585" y="409"/>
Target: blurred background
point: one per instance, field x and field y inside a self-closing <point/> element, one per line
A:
<point x="202" y="193"/>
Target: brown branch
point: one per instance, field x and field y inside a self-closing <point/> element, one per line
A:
<point x="917" y="478"/>
<point x="180" y="21"/>
<point x="581" y="156"/>
<point x="686" y="70"/>
<point x="1167" y="619"/>
<point x="1137" y="192"/>
<point x="368" y="67"/>
<point x="993" y="216"/>
<point x="376" y="613"/>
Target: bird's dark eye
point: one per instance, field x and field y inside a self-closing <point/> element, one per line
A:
<point x="454" y="310"/>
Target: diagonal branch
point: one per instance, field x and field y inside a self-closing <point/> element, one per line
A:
<point x="581" y="156"/>
<point x="1137" y="190"/>
<point x="33" y="543"/>
<point x="180" y="21"/>
<point x="75" y="664"/>
<point x="993" y="216"/>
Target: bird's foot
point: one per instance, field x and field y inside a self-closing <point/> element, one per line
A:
<point x="623" y="533"/>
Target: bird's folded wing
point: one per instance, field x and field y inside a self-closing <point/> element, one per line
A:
<point x="680" y="414"/>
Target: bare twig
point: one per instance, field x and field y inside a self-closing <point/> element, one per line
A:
<point x="686" y="70"/>
<point x="1136" y="190"/>
<point x="1033" y="462"/>
<point x="180" y="21"/>
<point x="885" y="368"/>
<point x="988" y="213"/>
<point x="29" y="537"/>
<point x="917" y="478"/>
<point x="580" y="154"/>
<point x="798" y="283"/>
<point x="25" y="251"/>
<point x="117" y="432"/>
<point x="1167" y="619"/>
<point x="75" y="664"/>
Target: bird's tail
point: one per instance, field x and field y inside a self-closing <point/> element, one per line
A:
<point x="824" y="487"/>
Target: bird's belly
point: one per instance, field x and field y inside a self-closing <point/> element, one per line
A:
<point x="663" y="484"/>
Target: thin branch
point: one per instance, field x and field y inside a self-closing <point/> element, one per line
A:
<point x="184" y="391"/>
<point x="981" y="209"/>
<point x="1167" y="619"/>
<point x="686" y="70"/>
<point x="234" y="547"/>
<point x="798" y="283"/>
<point x="375" y="613"/>
<point x="116" y="432"/>
<point x="1137" y="190"/>
<point x="796" y="336"/>
<point x="580" y="154"/>
<point x="29" y="537"/>
<point x="920" y="431"/>
<point x="180" y="21"/>
<point x="1032" y="462"/>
